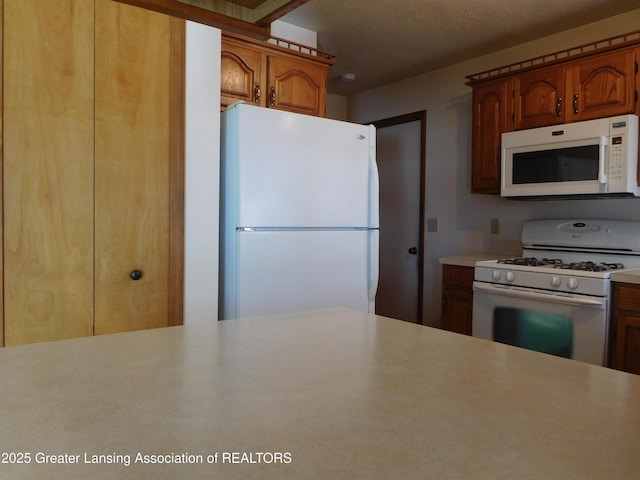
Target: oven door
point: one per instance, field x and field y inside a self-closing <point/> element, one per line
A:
<point x="588" y="316"/>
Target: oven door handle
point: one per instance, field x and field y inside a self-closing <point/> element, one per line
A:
<point x="546" y="297"/>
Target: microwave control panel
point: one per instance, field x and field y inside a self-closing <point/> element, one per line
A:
<point x="616" y="154"/>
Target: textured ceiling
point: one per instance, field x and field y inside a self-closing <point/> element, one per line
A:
<point x="382" y="41"/>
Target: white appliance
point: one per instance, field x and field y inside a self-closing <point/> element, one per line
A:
<point x="299" y="201"/>
<point x="592" y="158"/>
<point x="565" y="270"/>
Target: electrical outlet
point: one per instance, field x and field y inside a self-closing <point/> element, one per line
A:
<point x="495" y="226"/>
<point x="432" y="224"/>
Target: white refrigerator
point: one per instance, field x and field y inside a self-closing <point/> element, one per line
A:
<point x="299" y="213"/>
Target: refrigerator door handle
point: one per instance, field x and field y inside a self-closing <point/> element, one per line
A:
<point x="374" y="268"/>
<point x="374" y="181"/>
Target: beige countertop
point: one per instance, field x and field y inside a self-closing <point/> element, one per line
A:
<point x="469" y="260"/>
<point x="331" y="394"/>
<point x="628" y="276"/>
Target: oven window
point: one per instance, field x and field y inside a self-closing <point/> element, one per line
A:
<point x="534" y="330"/>
<point x="558" y="165"/>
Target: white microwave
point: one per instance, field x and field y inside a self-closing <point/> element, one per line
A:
<point x="594" y="158"/>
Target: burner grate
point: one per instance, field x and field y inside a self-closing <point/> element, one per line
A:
<point x="591" y="266"/>
<point x="532" y="261"/>
<point x="558" y="263"/>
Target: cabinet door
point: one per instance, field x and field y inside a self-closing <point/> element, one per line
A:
<point x="625" y="322"/>
<point x="241" y="75"/>
<point x="457" y="298"/>
<point x="627" y="344"/>
<point x="490" y="120"/>
<point x="602" y="86"/>
<point x="132" y="167"/>
<point x="47" y="170"/>
<point x="457" y="311"/>
<point x="296" y="86"/>
<point x="539" y="98"/>
<point x="636" y="53"/>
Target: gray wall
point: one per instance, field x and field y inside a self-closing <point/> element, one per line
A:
<point x="465" y="217"/>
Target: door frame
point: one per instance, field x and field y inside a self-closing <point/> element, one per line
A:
<point x="177" y="172"/>
<point x="1" y="177"/>
<point x="420" y="116"/>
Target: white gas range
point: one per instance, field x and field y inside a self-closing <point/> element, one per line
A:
<point x="563" y="276"/>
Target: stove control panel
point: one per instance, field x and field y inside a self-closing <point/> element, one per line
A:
<point x="515" y="276"/>
<point x="597" y="235"/>
<point x="579" y="227"/>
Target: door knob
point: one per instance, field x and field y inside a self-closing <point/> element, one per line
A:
<point x="135" y="274"/>
<point x="413" y="251"/>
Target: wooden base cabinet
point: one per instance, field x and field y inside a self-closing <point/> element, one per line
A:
<point x="89" y="142"/>
<point x="457" y="298"/>
<point x="273" y="77"/>
<point x="625" y="328"/>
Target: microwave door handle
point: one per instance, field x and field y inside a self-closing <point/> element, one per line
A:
<point x="602" y="175"/>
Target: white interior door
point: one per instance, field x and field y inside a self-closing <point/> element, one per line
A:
<point x="400" y="165"/>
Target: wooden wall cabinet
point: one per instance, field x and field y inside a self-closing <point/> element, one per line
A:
<point x="242" y="74"/>
<point x="490" y="119"/>
<point x="539" y="98"/>
<point x="273" y="77"/>
<point x="88" y="152"/>
<point x="457" y="298"/>
<point x="537" y="93"/>
<point x="603" y="86"/>
<point x="625" y="328"/>
<point x="596" y="87"/>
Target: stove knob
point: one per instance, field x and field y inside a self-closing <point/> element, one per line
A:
<point x="572" y="283"/>
<point x="555" y="281"/>
<point x="510" y="276"/>
<point x="495" y="275"/>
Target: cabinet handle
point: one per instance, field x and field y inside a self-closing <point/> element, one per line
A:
<point x="575" y="103"/>
<point x="135" y="274"/>
<point x="559" y="107"/>
<point x="457" y="280"/>
<point x="273" y="97"/>
<point x="256" y="93"/>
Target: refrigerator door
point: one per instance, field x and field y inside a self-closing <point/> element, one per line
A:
<point x="287" y="271"/>
<point x="294" y="170"/>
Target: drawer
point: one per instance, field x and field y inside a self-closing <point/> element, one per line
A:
<point x="456" y="276"/>
<point x="627" y="297"/>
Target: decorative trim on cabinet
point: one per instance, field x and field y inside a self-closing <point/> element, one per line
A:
<point x="562" y="56"/>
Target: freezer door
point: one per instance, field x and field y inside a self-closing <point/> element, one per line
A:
<point x="287" y="271"/>
<point x="294" y="170"/>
